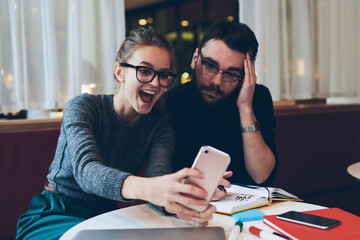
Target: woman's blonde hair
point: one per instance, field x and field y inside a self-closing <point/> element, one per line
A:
<point x="145" y="36"/>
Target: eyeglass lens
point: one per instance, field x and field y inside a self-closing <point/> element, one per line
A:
<point x="211" y="70"/>
<point x="145" y="75"/>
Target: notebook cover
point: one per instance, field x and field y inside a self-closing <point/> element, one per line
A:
<point x="348" y="229"/>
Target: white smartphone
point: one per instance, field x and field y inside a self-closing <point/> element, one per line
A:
<point x="309" y="219"/>
<point x="213" y="164"/>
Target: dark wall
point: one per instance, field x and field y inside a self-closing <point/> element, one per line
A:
<point x="315" y="146"/>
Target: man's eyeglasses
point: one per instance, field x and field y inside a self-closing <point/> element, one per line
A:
<point x="211" y="70"/>
<point x="147" y="74"/>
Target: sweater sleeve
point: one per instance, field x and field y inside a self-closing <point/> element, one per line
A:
<point x="79" y="122"/>
<point x="159" y="157"/>
<point x="161" y="150"/>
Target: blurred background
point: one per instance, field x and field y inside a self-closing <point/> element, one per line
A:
<point x="52" y="51"/>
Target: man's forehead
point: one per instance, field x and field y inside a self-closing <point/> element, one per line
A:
<point x="219" y="52"/>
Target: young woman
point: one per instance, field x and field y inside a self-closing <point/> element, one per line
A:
<point x="104" y="141"/>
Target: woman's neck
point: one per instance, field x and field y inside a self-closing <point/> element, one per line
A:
<point x="126" y="113"/>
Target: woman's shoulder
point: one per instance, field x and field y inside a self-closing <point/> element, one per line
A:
<point x="88" y="106"/>
<point x="89" y="100"/>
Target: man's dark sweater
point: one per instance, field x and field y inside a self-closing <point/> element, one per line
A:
<point x="196" y="124"/>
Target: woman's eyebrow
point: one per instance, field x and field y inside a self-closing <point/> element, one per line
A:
<point x="147" y="64"/>
<point x="152" y="66"/>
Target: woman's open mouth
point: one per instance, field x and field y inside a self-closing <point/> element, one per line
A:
<point x="147" y="95"/>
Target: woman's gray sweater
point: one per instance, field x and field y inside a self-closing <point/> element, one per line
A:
<point x="96" y="151"/>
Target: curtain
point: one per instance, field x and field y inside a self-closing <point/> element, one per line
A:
<point x="53" y="50"/>
<point x="308" y="48"/>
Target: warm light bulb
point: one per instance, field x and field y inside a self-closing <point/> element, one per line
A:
<point x="184" y="23"/>
<point x="142" y="22"/>
<point x="185" y="77"/>
<point x="230" y="18"/>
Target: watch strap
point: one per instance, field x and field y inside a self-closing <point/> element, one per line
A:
<point x="255" y="127"/>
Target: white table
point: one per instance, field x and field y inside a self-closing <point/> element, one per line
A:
<point x="142" y="216"/>
<point x="354" y="170"/>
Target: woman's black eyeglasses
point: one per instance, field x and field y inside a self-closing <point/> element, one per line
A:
<point x="147" y="74"/>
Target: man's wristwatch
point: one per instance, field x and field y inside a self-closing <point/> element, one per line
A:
<point x="255" y="127"/>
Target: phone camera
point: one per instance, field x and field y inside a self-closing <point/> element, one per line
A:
<point x="206" y="151"/>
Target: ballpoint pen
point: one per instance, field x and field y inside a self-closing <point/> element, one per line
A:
<point x="235" y="231"/>
<point x="222" y="188"/>
<point x="266" y="235"/>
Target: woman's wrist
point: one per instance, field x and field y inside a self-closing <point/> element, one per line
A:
<point x="133" y="188"/>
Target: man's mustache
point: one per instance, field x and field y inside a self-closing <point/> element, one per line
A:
<point x="214" y="88"/>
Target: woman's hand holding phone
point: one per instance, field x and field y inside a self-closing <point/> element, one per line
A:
<point x="189" y="194"/>
<point x="212" y="163"/>
<point x="202" y="218"/>
<point x="172" y="193"/>
<point x="189" y="201"/>
<point x="219" y="194"/>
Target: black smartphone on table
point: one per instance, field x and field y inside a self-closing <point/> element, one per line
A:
<point x="309" y="219"/>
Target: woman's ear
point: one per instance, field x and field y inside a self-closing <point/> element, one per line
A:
<point x="195" y="58"/>
<point x="118" y="72"/>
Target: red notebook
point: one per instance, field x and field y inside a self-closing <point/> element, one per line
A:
<point x="348" y="229"/>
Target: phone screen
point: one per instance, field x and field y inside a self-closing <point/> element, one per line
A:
<point x="309" y="219"/>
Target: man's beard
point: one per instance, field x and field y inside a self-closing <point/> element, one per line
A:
<point x="229" y="98"/>
<point x="215" y="89"/>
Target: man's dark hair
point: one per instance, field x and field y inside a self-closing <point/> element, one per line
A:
<point x="237" y="36"/>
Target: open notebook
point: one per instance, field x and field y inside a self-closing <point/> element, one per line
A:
<point x="243" y="197"/>
<point x="204" y="233"/>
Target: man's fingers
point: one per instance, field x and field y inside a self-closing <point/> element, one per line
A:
<point x="251" y="68"/>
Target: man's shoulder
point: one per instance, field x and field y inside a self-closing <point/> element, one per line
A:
<point x="261" y="93"/>
<point x="262" y="99"/>
<point x="261" y="89"/>
<point x="178" y="90"/>
<point x="177" y="95"/>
